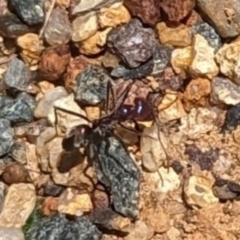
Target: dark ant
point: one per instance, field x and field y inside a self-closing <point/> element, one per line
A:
<point x="106" y="151"/>
<point x="140" y="111"/>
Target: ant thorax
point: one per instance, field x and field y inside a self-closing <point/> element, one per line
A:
<point x="103" y="126"/>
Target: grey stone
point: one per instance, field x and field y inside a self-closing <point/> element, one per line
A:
<point x="46" y="102"/>
<point x="19" y="109"/>
<point x="6" y="136"/>
<point x="30" y="11"/>
<point x="11" y="234"/>
<point x="11" y="26"/>
<point x="225" y="23"/>
<point x="18" y="75"/>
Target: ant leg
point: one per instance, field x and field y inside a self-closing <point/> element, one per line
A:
<point x="160" y="177"/>
<point x="131" y="130"/>
<point x="56" y="120"/>
<point x="161" y="143"/>
<point x="72" y="113"/>
<point x="109" y="93"/>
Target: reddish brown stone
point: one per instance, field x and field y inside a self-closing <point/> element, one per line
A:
<point x="100" y="199"/>
<point x="54" y="62"/>
<point x="176" y="10"/>
<point x="15" y="173"/>
<point x="147" y="10"/>
<point x="193" y="19"/>
<point x="49" y="206"/>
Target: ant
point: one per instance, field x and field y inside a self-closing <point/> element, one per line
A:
<point x="107" y="152"/>
<point x="140" y="111"/>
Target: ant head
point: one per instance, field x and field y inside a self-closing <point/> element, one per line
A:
<point x="81" y="135"/>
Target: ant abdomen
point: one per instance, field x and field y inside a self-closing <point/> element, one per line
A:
<point x="140" y="111"/>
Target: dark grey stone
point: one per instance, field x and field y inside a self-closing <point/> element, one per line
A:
<point x="30" y="11"/>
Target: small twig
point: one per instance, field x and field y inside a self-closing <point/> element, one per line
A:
<point x="49" y="12"/>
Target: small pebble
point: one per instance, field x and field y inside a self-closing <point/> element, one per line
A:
<point x="58" y="227"/>
<point x="147" y="10"/>
<point x="18" y="75"/>
<point x="153" y="151"/>
<point x="18" y="152"/>
<point x="19" y="109"/>
<point x="197" y="93"/>
<point x="11" y="26"/>
<point x="46" y="102"/>
<point x="157" y="219"/>
<point x="100" y="199"/>
<point x="30" y="11"/>
<point x="15" y="173"/>
<point x="54" y="62"/>
<point x="110" y="220"/>
<point x="12" y="233"/>
<point x="132" y="42"/>
<point x="140" y="231"/>
<point x="113" y="16"/>
<point x="224" y="16"/>
<point x="225" y="91"/>
<point x="91" y="86"/>
<point x="176" y="10"/>
<point x="18" y="205"/>
<point x="180" y="60"/>
<point x="224" y="193"/>
<point x="31" y="47"/>
<point x="228" y="60"/>
<point x="6" y="137"/>
<point x="161" y="58"/>
<point x="53" y="190"/>
<point x="232" y="119"/>
<point x="208" y="33"/>
<point x="198" y="190"/>
<point x="204" y="159"/>
<point x="202" y="64"/>
<point x="177" y="35"/>
<point x="132" y="73"/>
<point x="91" y="6"/>
<point x="73" y="203"/>
<point x="84" y="26"/>
<point x="58" y="30"/>
<point x="95" y="44"/>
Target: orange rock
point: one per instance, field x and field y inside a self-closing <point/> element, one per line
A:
<point x="49" y="206"/>
<point x="113" y="16"/>
<point x="177" y="35"/>
<point x="197" y="93"/>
